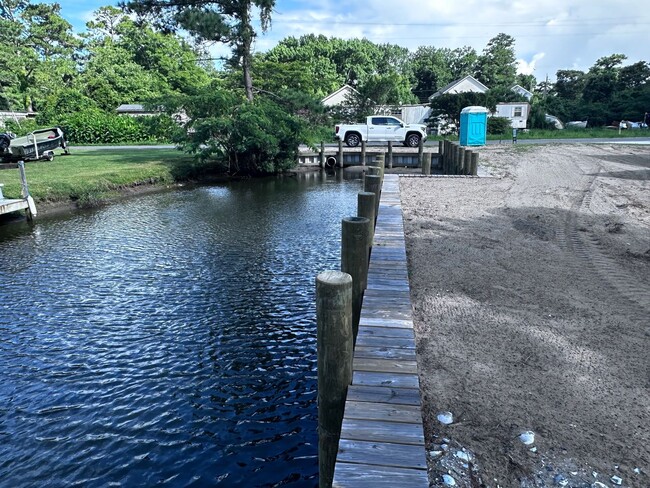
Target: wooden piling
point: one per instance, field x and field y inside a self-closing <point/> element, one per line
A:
<point x="474" y="169"/>
<point x="363" y="153"/>
<point x="373" y="170"/>
<point x="468" y="162"/>
<point x="426" y="164"/>
<point x="340" y="155"/>
<point x="390" y="154"/>
<point x="461" y="160"/>
<point x="380" y="162"/>
<point x="354" y="261"/>
<point x="30" y="211"/>
<point x="421" y="152"/>
<point x="441" y="153"/>
<point x="335" y="350"/>
<point x="372" y="184"/>
<point x="322" y="154"/>
<point x="366" y="208"/>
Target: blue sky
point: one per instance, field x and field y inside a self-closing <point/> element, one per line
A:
<point x="551" y="35"/>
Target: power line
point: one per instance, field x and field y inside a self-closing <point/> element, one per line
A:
<point x="541" y="23"/>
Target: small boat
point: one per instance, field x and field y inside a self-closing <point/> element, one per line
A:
<point x="40" y="144"/>
<point x="576" y="124"/>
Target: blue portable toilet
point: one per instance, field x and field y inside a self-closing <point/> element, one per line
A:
<point x="473" y="126"/>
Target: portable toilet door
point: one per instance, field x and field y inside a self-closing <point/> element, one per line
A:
<point x="473" y="126"/>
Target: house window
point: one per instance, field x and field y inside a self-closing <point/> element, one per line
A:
<point x="517" y="111"/>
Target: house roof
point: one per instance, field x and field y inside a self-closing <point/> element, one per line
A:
<point x="344" y="88"/>
<point x="520" y="89"/>
<point x="482" y="88"/>
<point x="130" y="108"/>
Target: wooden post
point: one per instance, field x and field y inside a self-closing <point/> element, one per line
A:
<point x="452" y="153"/>
<point x="372" y="184"/>
<point x="363" y="153"/>
<point x="426" y="164"/>
<point x="366" y="208"/>
<point x="421" y="152"/>
<point x="441" y="153"/>
<point x="390" y="154"/>
<point x="474" y="169"/>
<point x="334" y="345"/>
<point x="380" y="162"/>
<point x="340" y="156"/>
<point x="322" y="154"/>
<point x="447" y="161"/>
<point x="354" y="261"/>
<point x="456" y="159"/>
<point x="468" y="162"/>
<point x="461" y="160"/>
<point x="30" y="211"/>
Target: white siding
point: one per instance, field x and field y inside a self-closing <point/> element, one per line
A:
<point x="511" y="111"/>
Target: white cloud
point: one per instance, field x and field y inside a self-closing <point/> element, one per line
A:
<point x="528" y="68"/>
<point x="571" y="33"/>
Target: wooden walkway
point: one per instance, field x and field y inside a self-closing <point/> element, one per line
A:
<point x="382" y="441"/>
<point x="11" y="205"/>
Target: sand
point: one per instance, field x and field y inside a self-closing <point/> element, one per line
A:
<point x="531" y="297"/>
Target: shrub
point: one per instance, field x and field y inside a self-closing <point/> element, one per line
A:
<point x="21" y="128"/>
<point x="92" y="126"/>
<point x="253" y="138"/>
<point x="498" y="125"/>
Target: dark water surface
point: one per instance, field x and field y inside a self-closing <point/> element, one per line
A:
<point x="169" y="339"/>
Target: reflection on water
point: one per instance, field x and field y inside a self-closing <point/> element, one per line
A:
<point x="169" y="338"/>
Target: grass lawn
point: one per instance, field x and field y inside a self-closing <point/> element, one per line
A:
<point x="90" y="175"/>
<point x="561" y="134"/>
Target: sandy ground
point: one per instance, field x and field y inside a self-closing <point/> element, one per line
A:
<point x="531" y="296"/>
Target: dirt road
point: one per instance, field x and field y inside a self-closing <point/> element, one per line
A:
<point x="531" y="293"/>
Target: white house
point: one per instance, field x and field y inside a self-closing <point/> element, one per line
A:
<point x="520" y="90"/>
<point x="516" y="112"/>
<point x="139" y="110"/>
<point x="411" y="114"/>
<point x="464" y="85"/>
<point x="338" y="97"/>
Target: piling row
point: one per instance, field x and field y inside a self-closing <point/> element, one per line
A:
<point x="457" y="160"/>
<point x="377" y="437"/>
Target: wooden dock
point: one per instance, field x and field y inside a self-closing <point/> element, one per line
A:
<point x="26" y="203"/>
<point x="8" y="205"/>
<point x="382" y="440"/>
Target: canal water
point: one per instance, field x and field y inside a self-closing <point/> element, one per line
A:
<point x="168" y="339"/>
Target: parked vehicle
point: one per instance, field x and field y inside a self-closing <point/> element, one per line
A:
<point x="40" y="144"/>
<point x="381" y="128"/>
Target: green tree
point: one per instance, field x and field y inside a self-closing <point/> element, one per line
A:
<point x="570" y="83"/>
<point x="496" y="66"/>
<point x="36" y="47"/>
<point x="602" y="79"/>
<point x="227" y="21"/>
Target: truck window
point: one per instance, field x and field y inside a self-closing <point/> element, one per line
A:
<point x="392" y="121"/>
<point x="378" y="121"/>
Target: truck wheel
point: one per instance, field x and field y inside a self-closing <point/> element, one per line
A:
<point x="352" y="140"/>
<point x="412" y="140"/>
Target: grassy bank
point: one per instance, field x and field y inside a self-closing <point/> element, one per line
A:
<point x="89" y="175"/>
<point x="595" y="133"/>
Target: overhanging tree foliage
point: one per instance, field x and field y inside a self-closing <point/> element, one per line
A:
<point x="226" y="21"/>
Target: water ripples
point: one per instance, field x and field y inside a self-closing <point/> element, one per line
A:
<point x="168" y="339"/>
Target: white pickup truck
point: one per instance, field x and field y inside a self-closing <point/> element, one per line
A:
<point x="382" y="128"/>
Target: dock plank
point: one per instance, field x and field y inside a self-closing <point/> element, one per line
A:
<point x="382" y="394"/>
<point x="381" y="454"/>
